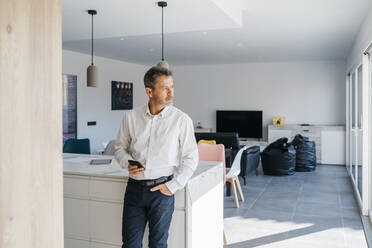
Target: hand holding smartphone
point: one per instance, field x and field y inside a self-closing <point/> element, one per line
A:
<point x="137" y="163"/>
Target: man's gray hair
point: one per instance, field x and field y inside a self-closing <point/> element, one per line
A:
<point x="154" y="72"/>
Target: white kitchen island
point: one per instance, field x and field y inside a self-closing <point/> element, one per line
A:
<point x="93" y="205"/>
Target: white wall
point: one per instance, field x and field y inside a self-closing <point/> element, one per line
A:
<point x="94" y="104"/>
<point x="302" y="92"/>
<point x="361" y="42"/>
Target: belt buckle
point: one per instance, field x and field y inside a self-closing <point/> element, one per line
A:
<point x="157" y="181"/>
<point x="150" y="183"/>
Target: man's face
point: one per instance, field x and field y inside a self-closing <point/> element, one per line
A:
<point x="162" y="94"/>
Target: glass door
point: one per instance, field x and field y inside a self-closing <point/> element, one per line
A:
<point x="359" y="131"/>
<point x="366" y="139"/>
<point x="358" y="137"/>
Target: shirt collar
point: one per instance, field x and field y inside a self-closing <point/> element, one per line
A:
<point x="161" y="114"/>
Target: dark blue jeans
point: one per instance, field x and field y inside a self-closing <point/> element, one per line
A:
<point x="142" y="206"/>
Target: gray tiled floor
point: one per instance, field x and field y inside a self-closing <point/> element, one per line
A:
<point x="308" y="209"/>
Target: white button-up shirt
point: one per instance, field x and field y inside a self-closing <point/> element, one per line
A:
<point x="163" y="143"/>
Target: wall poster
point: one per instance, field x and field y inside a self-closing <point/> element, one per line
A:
<point x="121" y="95"/>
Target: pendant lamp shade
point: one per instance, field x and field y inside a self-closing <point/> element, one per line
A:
<point x="92" y="70"/>
<point x="92" y="76"/>
<point x="163" y="63"/>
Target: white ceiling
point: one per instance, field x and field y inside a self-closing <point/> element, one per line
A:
<point x="215" y="31"/>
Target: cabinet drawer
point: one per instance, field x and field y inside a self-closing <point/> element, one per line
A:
<point x="76" y="186"/>
<point x="106" y="221"/>
<point x="277" y="134"/>
<point x="307" y="133"/>
<point x="74" y="243"/>
<point x="107" y="189"/>
<point x="76" y="217"/>
<point x="311" y="136"/>
<point x="100" y="245"/>
<point x="311" y="132"/>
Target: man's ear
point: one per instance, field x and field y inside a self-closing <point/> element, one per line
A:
<point x="149" y="92"/>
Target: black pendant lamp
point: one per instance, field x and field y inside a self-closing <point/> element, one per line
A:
<point x="92" y="71"/>
<point x="163" y="63"/>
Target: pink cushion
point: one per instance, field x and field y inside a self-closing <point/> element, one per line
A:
<point x="210" y="152"/>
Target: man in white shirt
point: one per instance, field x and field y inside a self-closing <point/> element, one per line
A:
<point x="161" y="138"/>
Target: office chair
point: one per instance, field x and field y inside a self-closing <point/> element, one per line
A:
<point x="81" y="146"/>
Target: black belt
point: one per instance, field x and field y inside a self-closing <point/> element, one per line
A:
<point x="152" y="182"/>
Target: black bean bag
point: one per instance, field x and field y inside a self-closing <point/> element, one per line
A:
<point x="279" y="158"/>
<point x="305" y="153"/>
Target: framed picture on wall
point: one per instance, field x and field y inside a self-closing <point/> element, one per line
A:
<point x="121" y="95"/>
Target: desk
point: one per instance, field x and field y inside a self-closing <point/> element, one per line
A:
<point x="93" y="205"/>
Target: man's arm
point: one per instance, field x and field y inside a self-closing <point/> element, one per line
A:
<point x="189" y="157"/>
<point x="122" y="143"/>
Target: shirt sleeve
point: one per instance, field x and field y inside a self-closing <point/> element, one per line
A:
<point x="189" y="156"/>
<point x="122" y="143"/>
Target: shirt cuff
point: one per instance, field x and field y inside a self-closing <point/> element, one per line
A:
<point x="123" y="162"/>
<point x="173" y="186"/>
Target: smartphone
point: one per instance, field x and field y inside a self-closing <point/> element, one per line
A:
<point x="133" y="162"/>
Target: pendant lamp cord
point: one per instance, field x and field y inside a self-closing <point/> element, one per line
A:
<point x="92" y="39"/>
<point x="162" y="34"/>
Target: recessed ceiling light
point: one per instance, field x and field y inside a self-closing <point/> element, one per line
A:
<point x="204" y="33"/>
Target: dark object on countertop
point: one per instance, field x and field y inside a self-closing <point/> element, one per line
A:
<point x="100" y="161"/>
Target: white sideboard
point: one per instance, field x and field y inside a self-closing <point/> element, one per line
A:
<point x="329" y="140"/>
<point x="204" y="130"/>
<point x="333" y="146"/>
<point x="249" y="143"/>
<point x="93" y="204"/>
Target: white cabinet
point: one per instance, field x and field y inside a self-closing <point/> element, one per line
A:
<point x="277" y="134"/>
<point x="93" y="206"/>
<point x="290" y="131"/>
<point x="333" y="146"/>
<point x="93" y="209"/>
<point x="329" y="140"/>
